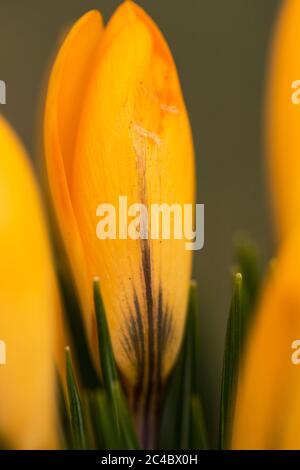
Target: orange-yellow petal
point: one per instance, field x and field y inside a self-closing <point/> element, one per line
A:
<point x="267" y="411"/>
<point x="134" y="140"/>
<point x="283" y="118"/>
<point x="68" y="85"/>
<point x="27" y="305"/>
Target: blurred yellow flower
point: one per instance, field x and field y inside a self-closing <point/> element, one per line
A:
<point x="267" y="410"/>
<point x="283" y="118"/>
<point x="27" y="305"/>
<point x="116" y="125"/>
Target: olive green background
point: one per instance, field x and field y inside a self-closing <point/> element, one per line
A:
<point x="220" y="47"/>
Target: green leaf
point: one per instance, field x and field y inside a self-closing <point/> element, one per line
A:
<point x="176" y="411"/>
<point x="74" y="316"/>
<point x="247" y="285"/>
<point x="170" y="421"/>
<point x="122" y="419"/>
<point x="127" y="430"/>
<point x="64" y="417"/>
<point x="187" y="379"/>
<point x="105" y="435"/>
<point x="108" y="367"/>
<point x="179" y="428"/>
<point x="233" y="349"/>
<point x="79" y="440"/>
<point x="193" y="312"/>
<point x="70" y="299"/>
<point x="249" y="266"/>
<point x="199" y="439"/>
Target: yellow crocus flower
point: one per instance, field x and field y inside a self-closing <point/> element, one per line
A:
<point x="283" y="117"/>
<point x="116" y="125"/>
<point x="267" y="408"/>
<point x="27" y="305"/>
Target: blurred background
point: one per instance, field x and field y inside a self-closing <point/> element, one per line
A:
<point x="220" y="47"/>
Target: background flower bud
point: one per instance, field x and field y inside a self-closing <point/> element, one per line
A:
<point x="267" y="409"/>
<point x="28" y="305"/>
<point x="283" y="118"/>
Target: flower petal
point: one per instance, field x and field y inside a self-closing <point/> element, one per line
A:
<point x="67" y="88"/>
<point x="135" y="140"/>
<point x="267" y="409"/>
<point x="27" y="305"/>
<point x="283" y="118"/>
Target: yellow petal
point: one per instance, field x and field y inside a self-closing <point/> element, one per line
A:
<point x="134" y="140"/>
<point x="68" y="84"/>
<point x="27" y="305"/>
<point x="283" y="118"/>
<point x="267" y="410"/>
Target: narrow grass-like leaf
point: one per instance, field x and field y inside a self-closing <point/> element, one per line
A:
<point x="248" y="264"/>
<point x="185" y="409"/>
<point x="64" y="418"/>
<point x="74" y="316"/>
<point x="178" y="429"/>
<point x="108" y="367"/>
<point x="128" y="433"/>
<point x="170" y="422"/>
<point x="122" y="418"/>
<point x="193" y="312"/>
<point x="79" y="440"/>
<point x="71" y="302"/>
<point x="176" y="410"/>
<point x="199" y="439"/>
<point x="105" y="435"/>
<point x="233" y="348"/>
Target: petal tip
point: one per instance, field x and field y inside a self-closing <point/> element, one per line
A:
<point x="92" y="15"/>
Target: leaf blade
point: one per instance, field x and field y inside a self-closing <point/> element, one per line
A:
<point x="79" y="440"/>
<point x="232" y="354"/>
<point x="122" y="418"/>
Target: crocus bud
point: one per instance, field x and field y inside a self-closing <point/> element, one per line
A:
<point x="267" y="411"/>
<point x="117" y="132"/>
<point x="283" y="117"/>
<point x="27" y="305"/>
